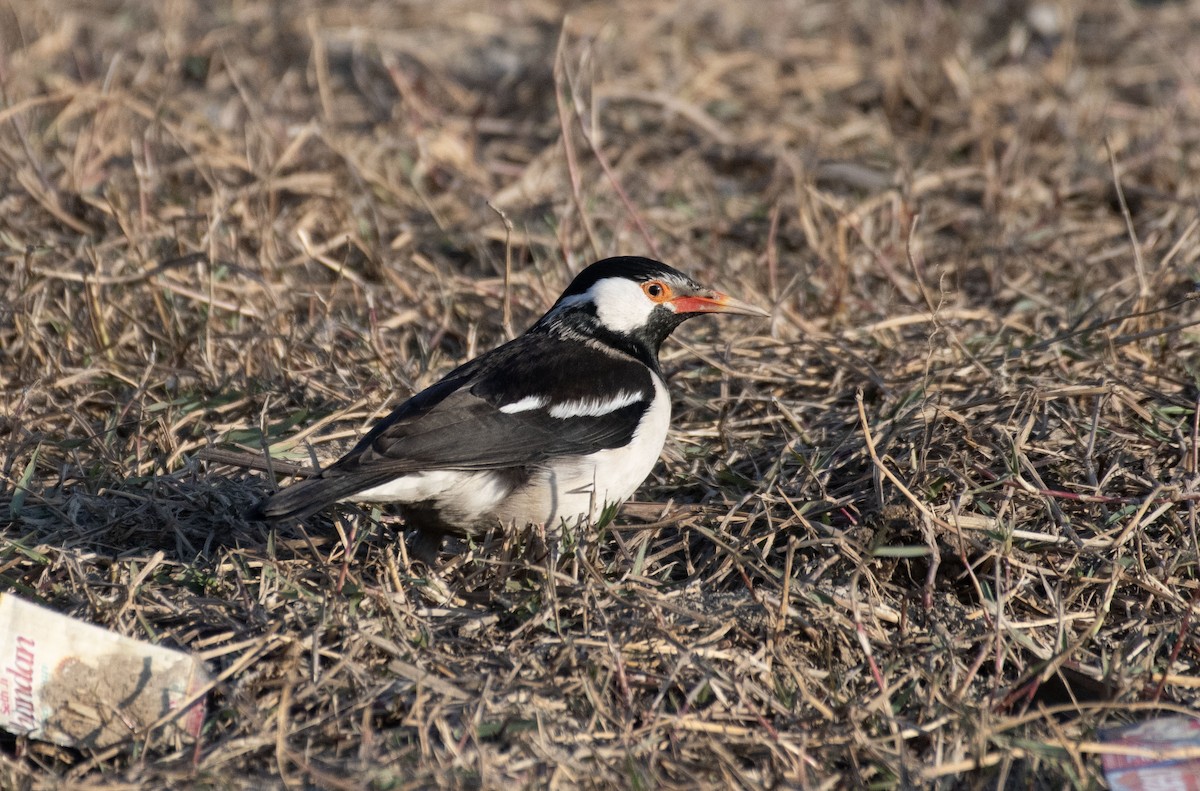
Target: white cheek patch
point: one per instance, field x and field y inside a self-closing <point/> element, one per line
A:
<point x="621" y="305"/>
<point x="524" y="405"/>
<point x="592" y="407"/>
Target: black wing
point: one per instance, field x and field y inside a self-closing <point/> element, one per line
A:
<point x="527" y="401"/>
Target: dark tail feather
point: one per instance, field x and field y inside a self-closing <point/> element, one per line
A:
<point x="303" y="499"/>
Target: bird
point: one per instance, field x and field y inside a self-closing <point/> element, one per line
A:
<point x="549" y="428"/>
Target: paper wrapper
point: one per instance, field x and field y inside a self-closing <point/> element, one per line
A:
<point x="1164" y="755"/>
<point x="78" y="685"/>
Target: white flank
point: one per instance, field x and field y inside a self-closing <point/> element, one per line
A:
<point x="592" y="407"/>
<point x="524" y="405"/>
<point x="467" y="494"/>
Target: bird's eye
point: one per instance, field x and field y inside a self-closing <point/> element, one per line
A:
<point x="657" y="290"/>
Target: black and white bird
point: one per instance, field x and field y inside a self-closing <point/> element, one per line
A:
<point x="552" y="426"/>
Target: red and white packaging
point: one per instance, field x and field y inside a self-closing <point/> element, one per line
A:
<point x="78" y="685"/>
<point x="1157" y="755"/>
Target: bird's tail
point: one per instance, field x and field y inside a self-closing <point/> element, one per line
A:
<point x="303" y="499"/>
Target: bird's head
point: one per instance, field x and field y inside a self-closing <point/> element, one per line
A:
<point x="634" y="303"/>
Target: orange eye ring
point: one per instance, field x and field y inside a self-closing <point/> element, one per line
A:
<point x="657" y="290"/>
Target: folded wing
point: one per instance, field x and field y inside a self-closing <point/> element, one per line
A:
<point x="521" y="405"/>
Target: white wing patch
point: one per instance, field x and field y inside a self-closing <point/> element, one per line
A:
<point x="524" y="405"/>
<point x="594" y="407"/>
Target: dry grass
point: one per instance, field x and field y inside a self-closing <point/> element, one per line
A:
<point x="935" y="523"/>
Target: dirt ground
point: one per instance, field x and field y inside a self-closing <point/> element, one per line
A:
<point x="933" y="525"/>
